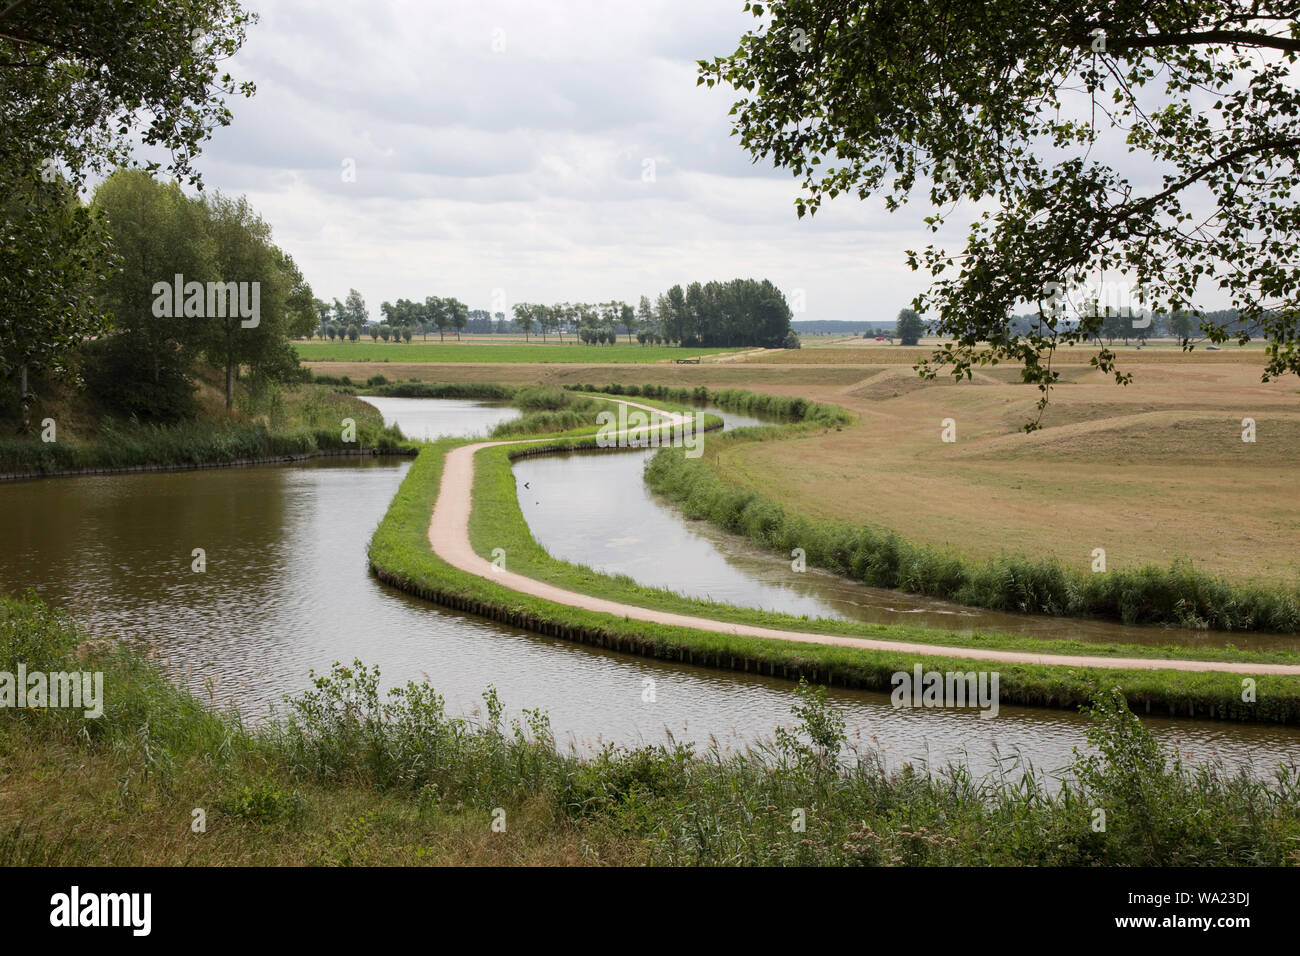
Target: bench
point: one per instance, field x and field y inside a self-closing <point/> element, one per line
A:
<point x="690" y="361"/>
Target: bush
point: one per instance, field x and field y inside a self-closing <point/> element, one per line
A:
<point x="119" y="378"/>
<point x="418" y="389"/>
<point x="541" y="398"/>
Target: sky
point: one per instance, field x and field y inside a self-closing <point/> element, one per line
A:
<point x="504" y="152"/>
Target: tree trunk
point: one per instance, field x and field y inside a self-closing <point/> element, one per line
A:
<point x="22" y="394"/>
<point x="230" y="384"/>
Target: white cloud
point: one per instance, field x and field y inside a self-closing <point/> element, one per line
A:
<point x="503" y="145"/>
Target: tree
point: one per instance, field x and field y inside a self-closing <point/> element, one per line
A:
<point x="545" y="319"/>
<point x="645" y="317"/>
<point x="736" y="313"/>
<point x="1180" y="325"/>
<point x="80" y="82"/>
<point x="869" y="97"/>
<point x="674" y="317"/>
<point x="53" y="249"/>
<point x="323" y="311"/>
<point x="354" y="309"/>
<point x="457" y="314"/>
<point x="436" y="310"/>
<point x="242" y="254"/>
<point x="909" y="327"/>
<point x="1112" y="325"/>
<point x="627" y="319"/>
<point x="588" y="320"/>
<point x="523" y="317"/>
<point x="82" y="79"/>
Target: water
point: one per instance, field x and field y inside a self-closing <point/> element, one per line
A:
<point x="286" y="589"/>
<point x="442" y="418"/>
<point x="595" y="509"/>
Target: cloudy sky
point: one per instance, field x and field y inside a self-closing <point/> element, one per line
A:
<point x="522" y="151"/>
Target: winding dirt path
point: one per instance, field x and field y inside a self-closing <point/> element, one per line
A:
<point x="449" y="537"/>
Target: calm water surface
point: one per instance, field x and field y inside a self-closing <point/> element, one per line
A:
<point x="286" y="590"/>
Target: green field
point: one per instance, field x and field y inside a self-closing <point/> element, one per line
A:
<point x="460" y="352"/>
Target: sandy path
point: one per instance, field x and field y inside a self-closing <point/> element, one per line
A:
<point x="449" y="537"/>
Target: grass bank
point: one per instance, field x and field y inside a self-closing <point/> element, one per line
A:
<point x="291" y="423"/>
<point x="400" y="554"/>
<point x="350" y="776"/>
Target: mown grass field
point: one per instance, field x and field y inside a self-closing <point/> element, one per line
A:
<point x="1153" y="472"/>
<point x="539" y="352"/>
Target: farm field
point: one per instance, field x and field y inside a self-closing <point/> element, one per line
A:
<point x="536" y="352"/>
<point x="869" y="352"/>
<point x="1154" y="472"/>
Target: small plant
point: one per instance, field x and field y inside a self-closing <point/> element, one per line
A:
<point x="262" y="803"/>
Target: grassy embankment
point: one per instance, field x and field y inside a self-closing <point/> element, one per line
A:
<point x="400" y="554"/>
<point x="345" y="777"/>
<point x="293" y="422"/>
<point x="1177" y="596"/>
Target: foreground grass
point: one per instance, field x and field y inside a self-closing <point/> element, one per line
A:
<point x="349" y="777"/>
<point x="544" y="353"/>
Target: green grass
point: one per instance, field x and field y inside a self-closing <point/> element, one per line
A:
<point x="350" y="776"/>
<point x="549" y="352"/>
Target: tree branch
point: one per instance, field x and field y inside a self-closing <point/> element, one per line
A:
<point x="1196" y="38"/>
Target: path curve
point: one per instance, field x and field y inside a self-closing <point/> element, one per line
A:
<point x="449" y="538"/>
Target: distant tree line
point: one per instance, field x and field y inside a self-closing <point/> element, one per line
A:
<point x="1131" y="325"/>
<point x="742" y="312"/>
